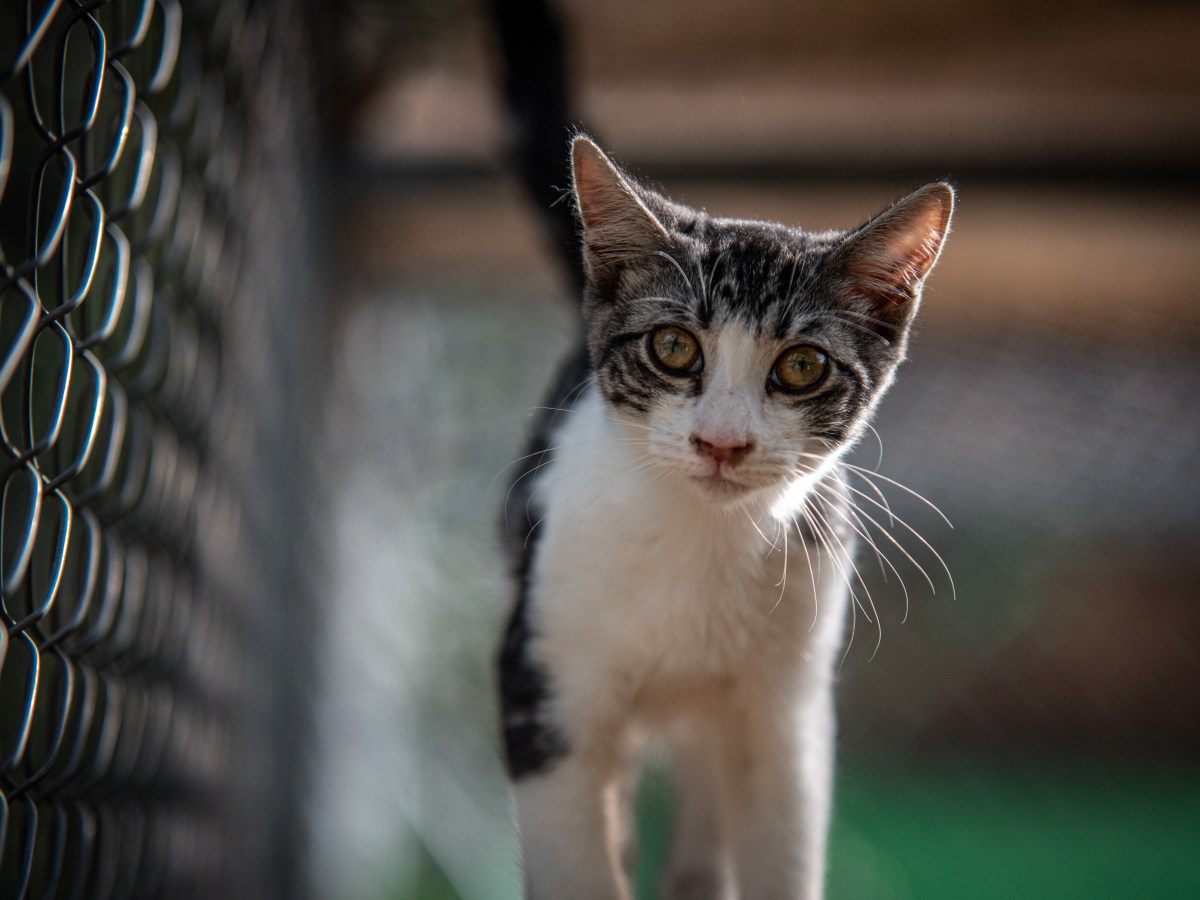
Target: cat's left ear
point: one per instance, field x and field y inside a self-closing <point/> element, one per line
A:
<point x="887" y="260"/>
<point x="617" y="224"/>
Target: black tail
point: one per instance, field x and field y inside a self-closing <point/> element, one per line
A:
<point x="537" y="91"/>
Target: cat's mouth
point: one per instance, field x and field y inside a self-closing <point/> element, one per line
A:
<point x="721" y="485"/>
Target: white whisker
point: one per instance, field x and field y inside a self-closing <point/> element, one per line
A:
<point x="868" y="474"/>
<point x="687" y="282"/>
<point x="872" y="319"/>
<point x="642" y="463"/>
<point x="645" y="463"/>
<point x="549" y="454"/>
<point x="812" y="574"/>
<point x="857" y="574"/>
<point x="774" y="545"/>
<point x="886" y="533"/>
<point x="706" y="286"/>
<point x="879" y="441"/>
<point x="855" y="325"/>
<point x="579" y="388"/>
<point x="671" y="302"/>
<point x="782" y="584"/>
<point x="828" y="535"/>
<point x="789" y="299"/>
<point x="862" y="532"/>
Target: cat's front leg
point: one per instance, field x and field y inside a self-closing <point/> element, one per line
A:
<point x="778" y="774"/>
<point x="697" y="866"/>
<point x="570" y="821"/>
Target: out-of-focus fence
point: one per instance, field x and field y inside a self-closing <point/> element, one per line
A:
<point x="155" y="377"/>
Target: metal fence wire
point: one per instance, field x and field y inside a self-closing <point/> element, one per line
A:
<point x="153" y="291"/>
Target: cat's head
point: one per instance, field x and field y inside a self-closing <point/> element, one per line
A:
<point x="747" y="355"/>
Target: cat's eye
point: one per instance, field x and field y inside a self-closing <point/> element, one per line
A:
<point x="675" y="349"/>
<point x="800" y="368"/>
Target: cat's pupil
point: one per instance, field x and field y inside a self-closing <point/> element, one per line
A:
<point x="801" y="368"/>
<point x="675" y="348"/>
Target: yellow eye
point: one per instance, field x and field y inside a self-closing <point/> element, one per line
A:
<point x="675" y="349"/>
<point x="801" y="368"/>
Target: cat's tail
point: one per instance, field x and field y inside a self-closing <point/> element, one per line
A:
<point x="537" y="92"/>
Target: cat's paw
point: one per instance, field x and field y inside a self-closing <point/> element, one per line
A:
<point x="693" y="884"/>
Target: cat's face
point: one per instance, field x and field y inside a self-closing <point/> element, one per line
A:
<point x="744" y="357"/>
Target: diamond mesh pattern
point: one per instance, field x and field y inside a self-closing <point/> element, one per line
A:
<point x="152" y="648"/>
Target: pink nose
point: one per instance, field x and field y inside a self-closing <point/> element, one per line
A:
<point x="722" y="450"/>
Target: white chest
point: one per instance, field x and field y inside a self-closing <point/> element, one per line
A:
<point x="634" y="572"/>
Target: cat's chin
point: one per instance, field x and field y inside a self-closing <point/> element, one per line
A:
<point x="722" y="488"/>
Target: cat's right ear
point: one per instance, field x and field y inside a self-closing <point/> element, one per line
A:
<point x="617" y="225"/>
<point x="888" y="259"/>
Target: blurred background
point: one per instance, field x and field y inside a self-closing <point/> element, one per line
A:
<point x="368" y="262"/>
<point x="1033" y="735"/>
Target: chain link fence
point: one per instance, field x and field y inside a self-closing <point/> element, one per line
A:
<point x="155" y="319"/>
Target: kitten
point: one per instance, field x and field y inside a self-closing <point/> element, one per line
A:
<point x="682" y="539"/>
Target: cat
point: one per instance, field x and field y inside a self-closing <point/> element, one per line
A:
<point x="682" y="538"/>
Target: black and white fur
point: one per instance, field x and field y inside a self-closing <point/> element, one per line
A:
<point x="683" y="542"/>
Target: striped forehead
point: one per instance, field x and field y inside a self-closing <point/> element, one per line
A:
<point x="751" y="278"/>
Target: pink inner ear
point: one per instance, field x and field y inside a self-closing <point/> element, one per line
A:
<point x="615" y="223"/>
<point x="892" y="261"/>
<point x="601" y="199"/>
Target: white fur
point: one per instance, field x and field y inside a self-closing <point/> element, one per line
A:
<point x="661" y="606"/>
